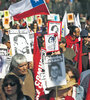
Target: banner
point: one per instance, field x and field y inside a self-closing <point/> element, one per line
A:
<point x="37" y="69"/>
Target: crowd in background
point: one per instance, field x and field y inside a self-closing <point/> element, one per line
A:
<point x="19" y="84"/>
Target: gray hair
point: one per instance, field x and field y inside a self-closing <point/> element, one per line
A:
<point x="16" y="60"/>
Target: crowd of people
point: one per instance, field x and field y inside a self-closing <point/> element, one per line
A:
<point x="19" y="81"/>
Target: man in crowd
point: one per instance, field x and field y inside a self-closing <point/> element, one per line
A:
<point x="72" y="40"/>
<point x="19" y="67"/>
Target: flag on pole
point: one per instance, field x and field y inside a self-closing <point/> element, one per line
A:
<point x="26" y="8"/>
<point x="65" y="29"/>
<point x="77" y="21"/>
<point x="37" y="69"/>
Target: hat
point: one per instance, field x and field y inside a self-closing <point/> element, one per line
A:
<point x="84" y="33"/>
<point x="63" y="40"/>
<point x="70" y="82"/>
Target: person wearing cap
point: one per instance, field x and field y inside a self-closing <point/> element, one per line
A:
<point x="63" y="92"/>
<point x="85" y="49"/>
<point x="72" y="40"/>
<point x="69" y="53"/>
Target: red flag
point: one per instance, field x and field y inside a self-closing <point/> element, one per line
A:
<point x="80" y="60"/>
<point x="37" y="69"/>
<point x="88" y="92"/>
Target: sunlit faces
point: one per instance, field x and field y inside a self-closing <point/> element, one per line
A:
<point x="77" y="33"/>
<point x="10" y="87"/>
<point x="22" y="68"/>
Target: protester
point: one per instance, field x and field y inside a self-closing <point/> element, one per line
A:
<point x="69" y="53"/>
<point x="12" y="88"/>
<point x="19" y="67"/>
<point x="78" y="90"/>
<point x="62" y="92"/>
<point x="85" y="49"/>
<point x="72" y="40"/>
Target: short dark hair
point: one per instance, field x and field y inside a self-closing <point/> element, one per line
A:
<point x="17" y="36"/>
<point x="54" y="64"/>
<point x="72" y="29"/>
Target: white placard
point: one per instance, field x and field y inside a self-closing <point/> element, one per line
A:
<point x="55" y="27"/>
<point x="20" y="42"/>
<point x="51" y="43"/>
<point x="55" y="71"/>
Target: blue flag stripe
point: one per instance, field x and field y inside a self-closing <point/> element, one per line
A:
<point x="36" y="3"/>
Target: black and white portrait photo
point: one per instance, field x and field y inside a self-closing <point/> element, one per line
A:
<point x="55" y="71"/>
<point x="55" y="27"/>
<point x="20" y="42"/>
<point x="51" y="43"/>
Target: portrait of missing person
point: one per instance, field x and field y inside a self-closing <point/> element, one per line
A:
<point x="21" y="44"/>
<point x="1" y="63"/>
<point x="55" y="72"/>
<point x="54" y="28"/>
<point x="52" y="41"/>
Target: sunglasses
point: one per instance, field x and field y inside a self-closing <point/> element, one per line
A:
<point x="11" y="84"/>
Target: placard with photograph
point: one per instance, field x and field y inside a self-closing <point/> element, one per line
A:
<point x="51" y="42"/>
<point x="70" y="17"/>
<point x="20" y="42"/>
<point x="55" y="71"/>
<point x="43" y="57"/>
<point x="55" y="27"/>
<point x="4" y="67"/>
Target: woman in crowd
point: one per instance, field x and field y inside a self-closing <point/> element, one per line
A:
<point x="12" y="88"/>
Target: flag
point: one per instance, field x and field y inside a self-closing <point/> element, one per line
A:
<point x="88" y="92"/>
<point x="26" y="8"/>
<point x="65" y="29"/>
<point x="77" y="21"/>
<point x="37" y="69"/>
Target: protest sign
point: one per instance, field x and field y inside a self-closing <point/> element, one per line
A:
<point x="53" y="17"/>
<point x="51" y="43"/>
<point x="39" y="21"/>
<point x="6" y="13"/>
<point x="70" y="17"/>
<point x="4" y="64"/>
<point x="30" y="19"/>
<point x="55" y="27"/>
<point x="43" y="57"/>
<point x="6" y="21"/>
<point x="56" y="17"/>
<point x="50" y="17"/>
<point x="55" y="71"/>
<point x="20" y="43"/>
